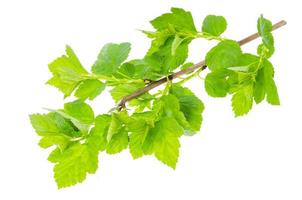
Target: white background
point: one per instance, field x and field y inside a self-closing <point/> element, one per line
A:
<point x="258" y="156"/>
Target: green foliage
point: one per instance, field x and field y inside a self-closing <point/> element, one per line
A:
<point x="242" y="101"/>
<point x="214" y="25"/>
<point x="154" y="122"/>
<point x="89" y="89"/>
<point x="178" y="18"/>
<point x="216" y="83"/>
<point x="264" y="27"/>
<point x="191" y="106"/>
<point x="110" y="58"/>
<point x="74" y="164"/>
<point x="163" y="141"/>
<point x="54" y="129"/>
<point x="170" y="42"/>
<point x="247" y="77"/>
<point x="226" y="54"/>
<point x="67" y="72"/>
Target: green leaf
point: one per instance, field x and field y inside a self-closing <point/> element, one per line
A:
<point x="67" y="72"/>
<point x="190" y="105"/>
<point x="79" y="113"/>
<point x="127" y="70"/>
<point x="264" y="27"/>
<point x="216" y="83"/>
<point x="62" y="141"/>
<point x="226" y="54"/>
<point x="139" y="130"/>
<point x="272" y="93"/>
<point x="54" y="129"/>
<point x="123" y="90"/>
<point x="74" y="164"/>
<point x="169" y="48"/>
<point x="162" y="140"/>
<point x="114" y="127"/>
<point x="270" y="86"/>
<point x="176" y="42"/>
<point x="55" y="156"/>
<point x="44" y="124"/>
<point x="148" y="117"/>
<point x="259" y="87"/>
<point x="164" y="60"/>
<point x="168" y="106"/>
<point x="110" y="58"/>
<point x="89" y="89"/>
<point x="98" y="135"/>
<point x="242" y="101"/>
<point x="158" y="39"/>
<point x="118" y="142"/>
<point x="265" y="85"/>
<point x="138" y="127"/>
<point x="141" y="69"/>
<point x="249" y="62"/>
<point x="214" y="25"/>
<point x="186" y="66"/>
<point x="142" y="103"/>
<point x="178" y="18"/>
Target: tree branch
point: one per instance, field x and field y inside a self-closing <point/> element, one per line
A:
<point x="194" y="67"/>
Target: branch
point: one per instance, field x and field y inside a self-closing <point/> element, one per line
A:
<point x="194" y="67"/>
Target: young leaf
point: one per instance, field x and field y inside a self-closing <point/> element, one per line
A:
<point x="55" y="156"/>
<point x="61" y="140"/>
<point x="168" y="106"/>
<point x="162" y="140"/>
<point x="270" y="86"/>
<point x="79" y="113"/>
<point x="110" y="58"/>
<point x="264" y="27"/>
<point x="249" y="61"/>
<point x="178" y="18"/>
<point x="140" y="69"/>
<point x="98" y="135"/>
<point x="89" y="89"/>
<point x="67" y="72"/>
<point x="216" y="83"/>
<point x="226" y="54"/>
<point x="176" y="42"/>
<point x="123" y="90"/>
<point x="214" y="25"/>
<point x="118" y="142"/>
<point x="163" y="58"/>
<point x="242" y="101"/>
<point x="265" y="85"/>
<point x="259" y="87"/>
<point x="158" y="39"/>
<point x="138" y="127"/>
<point x="54" y="129"/>
<point x="187" y="65"/>
<point x="168" y="51"/>
<point x="272" y="93"/>
<point x="190" y="105"/>
<point x="74" y="164"/>
<point x="114" y="127"/>
<point x="139" y="130"/>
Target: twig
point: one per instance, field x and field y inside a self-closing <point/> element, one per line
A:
<point x="194" y="67"/>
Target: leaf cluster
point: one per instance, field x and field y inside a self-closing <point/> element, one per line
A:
<point x="152" y="123"/>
